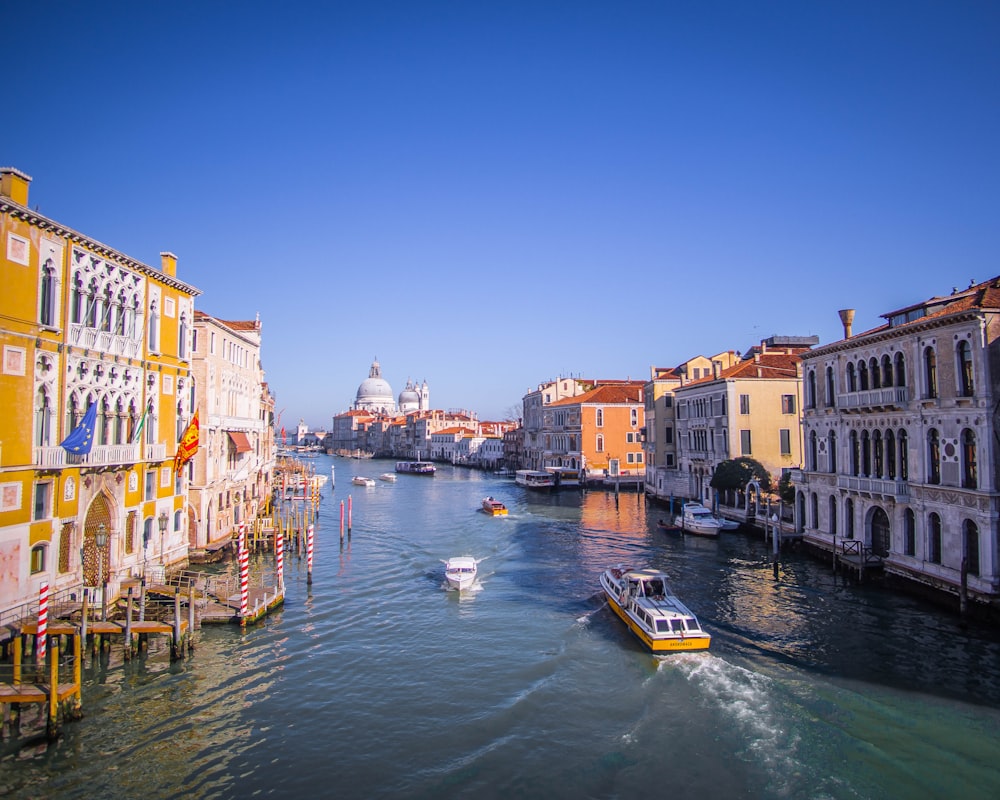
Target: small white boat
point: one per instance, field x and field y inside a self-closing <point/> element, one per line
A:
<point x="461" y="571"/>
<point x="727" y="524"/>
<point x="642" y="598"/>
<point x="695" y="518"/>
<point x="388" y="477"/>
<point x="359" y="480"/>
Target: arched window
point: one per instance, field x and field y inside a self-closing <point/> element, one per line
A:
<point x="47" y="295"/>
<point x="866" y="454"/>
<point x="877" y="453"/>
<point x="966" y="387"/>
<point x="812" y="451"/>
<point x="849" y="518"/>
<point x="909" y="533"/>
<point x="886" y="371"/>
<point x="831" y="397"/>
<point x="104" y="422"/>
<point x="90" y="318"/>
<point x="900" y="370"/>
<point x="934" y="539"/>
<point x="855" y="455"/>
<point x="120" y="307"/>
<point x="904" y="459"/>
<point x="38" y="558"/>
<point x="930" y="373"/>
<point x="43" y="436"/>
<point x="833" y="515"/>
<point x="600" y="418"/>
<point x="890" y="455"/>
<point x="852" y="382"/>
<point x="76" y="300"/>
<point x="933" y="456"/>
<point x="154" y="328"/>
<point x="862" y="376"/>
<point x="814" y="510"/>
<point x="811" y="389"/>
<point x="970" y="546"/>
<point x="876" y="374"/>
<point x="832" y="444"/>
<point x="182" y="337"/>
<point x="108" y="305"/>
<point x="600" y="443"/>
<point x="970" y="474"/>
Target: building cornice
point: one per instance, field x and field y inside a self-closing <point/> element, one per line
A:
<point x="8" y="206"/>
<point x="888" y="334"/>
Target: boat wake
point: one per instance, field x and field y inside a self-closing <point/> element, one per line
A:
<point x="750" y="703"/>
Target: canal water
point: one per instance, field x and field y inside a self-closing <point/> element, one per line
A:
<point x="377" y="681"/>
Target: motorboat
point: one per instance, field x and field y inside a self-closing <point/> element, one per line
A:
<point x="416" y="467"/>
<point x="668" y="526"/>
<point x="535" y="479"/>
<point x="642" y="598"/>
<point x="388" y="477"/>
<point x="360" y="480"/>
<point x="727" y="524"/>
<point x="695" y="518"/>
<point x="494" y="507"/>
<point x="461" y="572"/>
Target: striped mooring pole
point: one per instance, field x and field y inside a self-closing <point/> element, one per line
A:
<point x="244" y="576"/>
<point x="279" y="557"/>
<point x="309" y="555"/>
<point x="42" y="636"/>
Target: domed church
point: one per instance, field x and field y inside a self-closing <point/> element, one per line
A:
<point x="375" y="394"/>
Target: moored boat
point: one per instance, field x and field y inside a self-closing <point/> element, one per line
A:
<point x="535" y="479"/>
<point x="642" y="598"/>
<point x="416" y="467"/>
<point x="669" y="527"/>
<point x="461" y="572"/>
<point x="494" y="507"/>
<point x="359" y="480"/>
<point x="388" y="477"/>
<point x="695" y="518"/>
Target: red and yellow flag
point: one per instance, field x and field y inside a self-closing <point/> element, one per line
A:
<point x="188" y="444"/>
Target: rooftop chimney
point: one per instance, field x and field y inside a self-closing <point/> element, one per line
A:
<point x="847" y="317"/>
<point x="14" y="185"/>
<point x="168" y="264"/>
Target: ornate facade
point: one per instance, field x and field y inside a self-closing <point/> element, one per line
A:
<point x="900" y="427"/>
<point x="85" y="325"/>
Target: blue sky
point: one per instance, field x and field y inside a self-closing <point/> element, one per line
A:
<point x="487" y="195"/>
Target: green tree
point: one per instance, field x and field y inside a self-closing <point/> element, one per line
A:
<point x="736" y="473"/>
<point x="786" y="489"/>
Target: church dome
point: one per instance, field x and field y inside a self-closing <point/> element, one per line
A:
<point x="375" y="393"/>
<point x="409" y="398"/>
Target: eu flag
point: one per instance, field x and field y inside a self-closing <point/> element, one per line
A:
<point x="81" y="440"/>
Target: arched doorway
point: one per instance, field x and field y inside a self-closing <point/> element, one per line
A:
<point x="881" y="539"/>
<point x="192" y="529"/>
<point x="97" y="560"/>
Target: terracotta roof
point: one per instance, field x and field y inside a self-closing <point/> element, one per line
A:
<point x="611" y="394"/>
<point x="769" y="365"/>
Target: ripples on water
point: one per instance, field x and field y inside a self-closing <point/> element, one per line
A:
<point x="378" y="681"/>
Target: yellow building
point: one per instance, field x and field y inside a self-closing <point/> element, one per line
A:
<point x="749" y="409"/>
<point x="83" y="325"/>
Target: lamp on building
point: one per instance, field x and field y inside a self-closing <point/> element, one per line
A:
<point x="101" y="540"/>
<point x="162" y="522"/>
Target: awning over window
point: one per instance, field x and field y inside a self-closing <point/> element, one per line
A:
<point x="240" y="441"/>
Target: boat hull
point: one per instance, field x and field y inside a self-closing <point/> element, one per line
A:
<point x="679" y="645"/>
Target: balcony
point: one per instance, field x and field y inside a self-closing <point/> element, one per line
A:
<point x="893" y="397"/>
<point x="898" y="490"/>
<point x="156" y="452"/>
<point x="104" y="341"/>
<point x="106" y="455"/>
